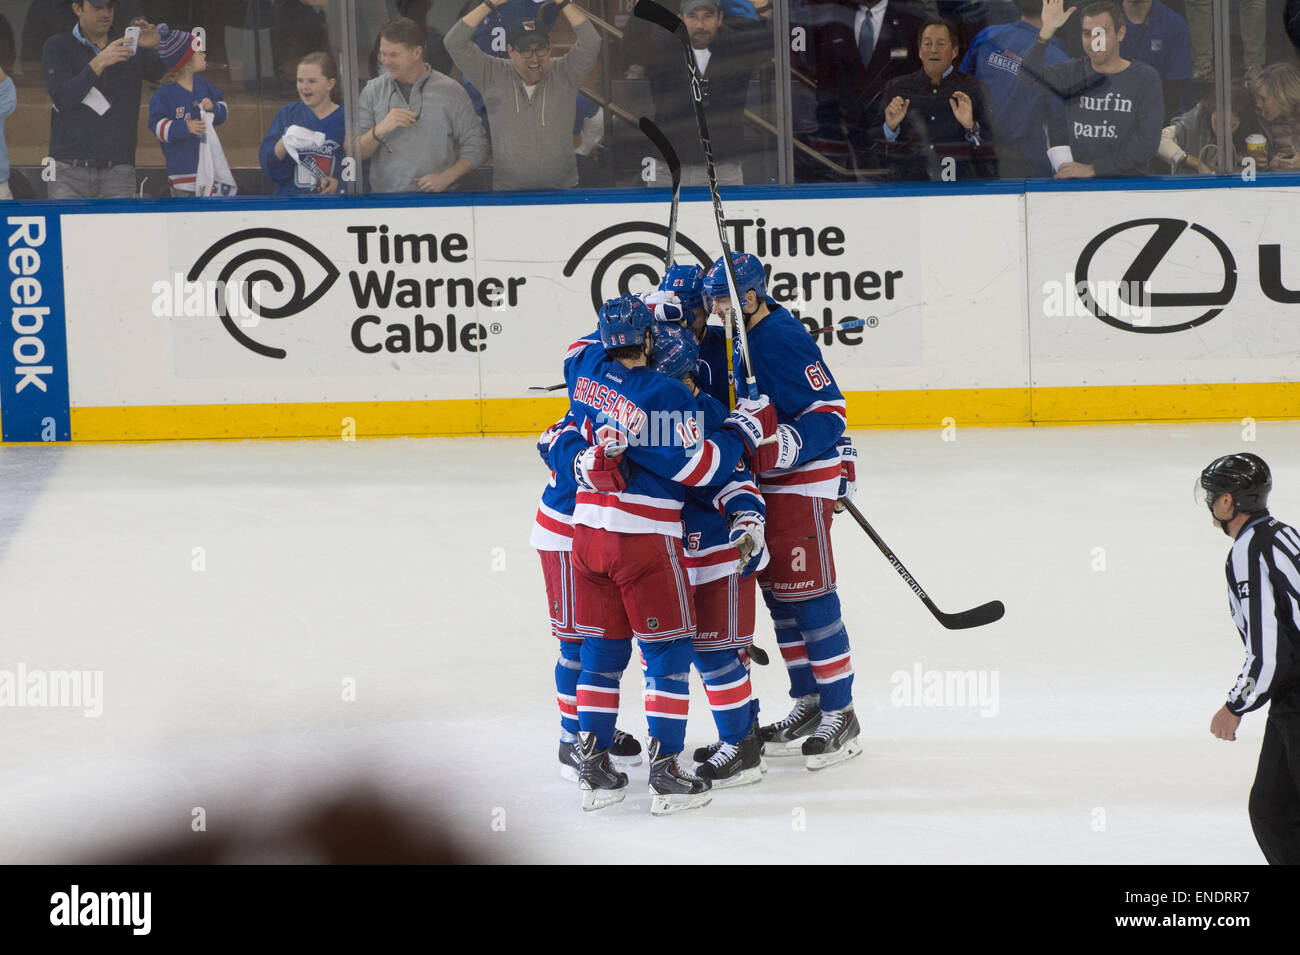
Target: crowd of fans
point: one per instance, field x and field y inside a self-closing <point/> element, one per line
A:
<point x="942" y="90"/>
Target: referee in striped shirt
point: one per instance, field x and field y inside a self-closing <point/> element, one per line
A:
<point x="1263" y="571"/>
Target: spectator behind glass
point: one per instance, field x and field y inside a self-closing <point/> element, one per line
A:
<point x="416" y="125"/>
<point x="1253" y="17"/>
<point x="728" y="53"/>
<point x="435" y="54"/>
<point x="532" y="99"/>
<point x="312" y="128"/>
<point x="1157" y="36"/>
<point x="1277" y="101"/>
<point x="8" y="103"/>
<point x="1114" y="107"/>
<point x="937" y="122"/>
<point x="1190" y="145"/>
<point x="175" y="111"/>
<point x="297" y="28"/>
<point x="1019" y="113"/>
<point x="856" y="50"/>
<point x="94" y="83"/>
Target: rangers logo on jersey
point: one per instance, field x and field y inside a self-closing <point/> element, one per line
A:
<point x="314" y="164"/>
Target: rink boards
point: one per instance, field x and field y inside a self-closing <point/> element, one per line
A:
<point x="997" y="306"/>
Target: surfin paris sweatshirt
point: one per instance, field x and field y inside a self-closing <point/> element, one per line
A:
<point x="1112" y="120"/>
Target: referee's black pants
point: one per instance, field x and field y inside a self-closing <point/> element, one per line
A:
<point x="1275" y="796"/>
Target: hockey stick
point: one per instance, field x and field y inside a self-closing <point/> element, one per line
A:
<point x="656" y="136"/>
<point x="546" y="387"/>
<point x="975" y="617"/>
<point x="652" y="12"/>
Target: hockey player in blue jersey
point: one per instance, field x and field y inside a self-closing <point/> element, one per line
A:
<point x="647" y="444"/>
<point x="687" y="283"/>
<point x="552" y="537"/>
<point x="800" y="476"/>
<point x="723" y="526"/>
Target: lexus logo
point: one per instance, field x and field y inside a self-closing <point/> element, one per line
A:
<point x="1195" y="244"/>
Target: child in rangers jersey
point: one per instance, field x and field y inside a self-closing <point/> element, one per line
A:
<point x="629" y="579"/>
<point x="724" y="546"/>
<point x="1263" y="571"/>
<point x="799" y="475"/>
<point x="553" y="539"/>
<point x="176" y="110"/>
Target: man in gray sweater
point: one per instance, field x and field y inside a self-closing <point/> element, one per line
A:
<point x="531" y="98"/>
<point x="416" y="125"/>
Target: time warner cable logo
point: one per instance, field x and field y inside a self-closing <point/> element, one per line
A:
<point x="76" y="908"/>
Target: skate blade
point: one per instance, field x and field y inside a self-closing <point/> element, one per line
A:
<point x="593" y="799"/>
<point x="826" y="760"/>
<point x="625" y="762"/>
<point x="762" y="765"/>
<point x="569" y="773"/>
<point x="746" y="777"/>
<point x="665" y="804"/>
<point x="783" y="750"/>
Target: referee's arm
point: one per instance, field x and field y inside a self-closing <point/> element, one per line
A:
<point x="1260" y="670"/>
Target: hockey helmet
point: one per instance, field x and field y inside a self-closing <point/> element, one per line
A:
<point x="749" y="277"/>
<point x="686" y="282"/>
<point x="1245" y="476"/>
<point x="676" y="350"/>
<point x="624" y="321"/>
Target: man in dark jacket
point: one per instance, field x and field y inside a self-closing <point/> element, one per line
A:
<point x="727" y="54"/>
<point x="94" y="83"/>
<point x="937" y="123"/>
<point x="856" y="49"/>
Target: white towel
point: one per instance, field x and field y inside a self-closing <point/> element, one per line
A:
<point x="213" y="177"/>
<point x="298" y="139"/>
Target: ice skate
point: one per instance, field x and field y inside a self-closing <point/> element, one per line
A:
<point x="782" y="737"/>
<point x="626" y="751"/>
<point x="834" y="741"/>
<point x="601" y="784"/>
<point x="674" y="788"/>
<point x="735" y="764"/>
<point x="570" y="761"/>
<point x="703" y="754"/>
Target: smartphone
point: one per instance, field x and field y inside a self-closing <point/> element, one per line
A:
<point x="132" y="34"/>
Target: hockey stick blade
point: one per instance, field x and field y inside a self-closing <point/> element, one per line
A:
<point x="975" y="617"/>
<point x="546" y="387"/>
<point x="654" y="13"/>
<point x="661" y="143"/>
<point x="979" y="616"/>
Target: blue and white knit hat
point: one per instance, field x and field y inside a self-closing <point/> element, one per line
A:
<point x="175" y="47"/>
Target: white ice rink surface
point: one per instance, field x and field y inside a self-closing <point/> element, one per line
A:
<point x="404" y="565"/>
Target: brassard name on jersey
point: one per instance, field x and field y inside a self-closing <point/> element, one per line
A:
<point x="614" y="406"/>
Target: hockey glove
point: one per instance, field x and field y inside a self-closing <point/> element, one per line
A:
<point x="600" y="469"/>
<point x="848" y="472"/>
<point x="754" y="418"/>
<point x="665" y="305"/>
<point x="779" y="454"/>
<point x="747" y="536"/>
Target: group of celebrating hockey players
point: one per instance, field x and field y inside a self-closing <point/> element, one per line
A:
<point x="665" y="506"/>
